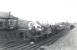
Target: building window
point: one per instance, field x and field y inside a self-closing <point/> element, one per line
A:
<point x="1" y="24"/>
<point x="12" y="23"/>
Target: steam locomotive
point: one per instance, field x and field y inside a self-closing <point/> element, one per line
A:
<point x="12" y="29"/>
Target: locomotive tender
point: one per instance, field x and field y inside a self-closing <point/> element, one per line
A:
<point x="11" y="29"/>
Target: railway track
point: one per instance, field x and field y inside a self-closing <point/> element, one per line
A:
<point x="28" y="46"/>
<point x="50" y="40"/>
<point x="13" y="44"/>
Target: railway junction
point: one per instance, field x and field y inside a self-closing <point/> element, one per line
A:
<point x="16" y="34"/>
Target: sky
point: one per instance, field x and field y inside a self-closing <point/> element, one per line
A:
<point x="51" y="11"/>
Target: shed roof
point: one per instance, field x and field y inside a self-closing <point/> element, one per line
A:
<point x="5" y="15"/>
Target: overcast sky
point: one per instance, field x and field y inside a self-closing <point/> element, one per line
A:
<point x="42" y="10"/>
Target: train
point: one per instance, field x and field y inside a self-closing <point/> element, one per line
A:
<point x="11" y="29"/>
